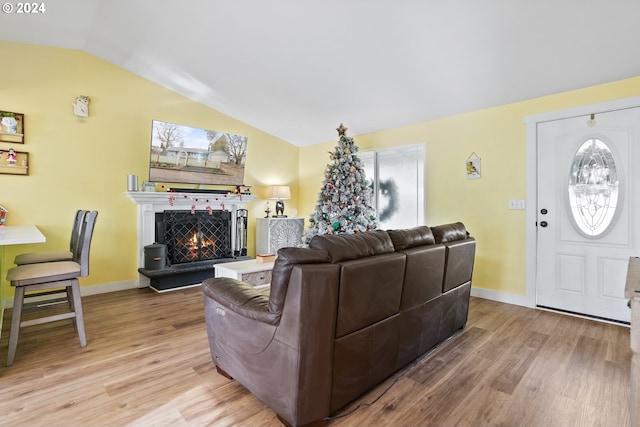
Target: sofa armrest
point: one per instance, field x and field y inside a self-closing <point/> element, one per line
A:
<point x="241" y="298"/>
<point x="288" y="366"/>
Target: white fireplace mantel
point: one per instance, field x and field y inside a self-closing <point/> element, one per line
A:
<point x="149" y="203"/>
<point x="182" y="199"/>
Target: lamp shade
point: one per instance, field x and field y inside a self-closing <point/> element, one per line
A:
<point x="279" y="192"/>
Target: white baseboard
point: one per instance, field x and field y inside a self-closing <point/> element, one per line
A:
<point x="92" y="290"/>
<point x="500" y="296"/>
<point x="108" y="287"/>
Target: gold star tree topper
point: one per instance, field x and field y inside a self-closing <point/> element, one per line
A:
<point x="341" y="130"/>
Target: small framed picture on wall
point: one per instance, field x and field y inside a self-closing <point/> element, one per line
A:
<point x="473" y="166"/>
<point x="11" y="127"/>
<point x="14" y="162"/>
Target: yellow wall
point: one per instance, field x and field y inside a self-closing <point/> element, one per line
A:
<point x="84" y="163"/>
<point x="498" y="136"/>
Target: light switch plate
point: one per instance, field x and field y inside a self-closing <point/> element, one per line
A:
<point x="516" y="204"/>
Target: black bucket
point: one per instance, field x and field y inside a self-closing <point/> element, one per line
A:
<point x="155" y="256"/>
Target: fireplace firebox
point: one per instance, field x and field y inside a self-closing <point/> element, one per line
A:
<point x="194" y="236"/>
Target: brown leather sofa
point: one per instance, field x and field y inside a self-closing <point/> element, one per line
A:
<point x="341" y="316"/>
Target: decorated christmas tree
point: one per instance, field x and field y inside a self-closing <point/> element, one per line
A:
<point x="344" y="202"/>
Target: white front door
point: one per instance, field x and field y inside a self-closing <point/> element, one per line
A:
<point x="587" y="212"/>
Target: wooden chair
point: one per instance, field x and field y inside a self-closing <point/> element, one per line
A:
<point x="52" y="256"/>
<point x="52" y="275"/>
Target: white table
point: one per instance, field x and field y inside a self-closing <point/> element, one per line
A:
<point x="250" y="271"/>
<point x="20" y="234"/>
<point x="14" y="235"/>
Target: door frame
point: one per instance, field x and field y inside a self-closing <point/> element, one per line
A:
<point x="531" y="210"/>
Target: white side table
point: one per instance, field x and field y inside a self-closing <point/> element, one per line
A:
<point x="249" y="271"/>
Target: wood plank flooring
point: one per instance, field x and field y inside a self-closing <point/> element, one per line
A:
<point x="147" y="363"/>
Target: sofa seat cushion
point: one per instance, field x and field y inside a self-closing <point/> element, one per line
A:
<point x="344" y="247"/>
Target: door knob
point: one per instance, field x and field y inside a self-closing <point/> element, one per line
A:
<point x="543" y="223"/>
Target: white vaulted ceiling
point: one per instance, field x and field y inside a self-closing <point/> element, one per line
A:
<point x="297" y="68"/>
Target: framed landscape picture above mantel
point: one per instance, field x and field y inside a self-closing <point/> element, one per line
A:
<point x="190" y="155"/>
<point x="14" y="162"/>
<point x="11" y="127"/>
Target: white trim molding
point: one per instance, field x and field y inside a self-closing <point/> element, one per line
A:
<point x="531" y="213"/>
<point x="500" y="296"/>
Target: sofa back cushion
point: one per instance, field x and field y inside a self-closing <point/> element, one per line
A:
<point x="344" y="247"/>
<point x="460" y="253"/>
<point x="425" y="264"/>
<point x="370" y="291"/>
<point x="287" y="258"/>
<point x="411" y="237"/>
<point x="449" y="232"/>
<point x="459" y="263"/>
<point x="423" y="275"/>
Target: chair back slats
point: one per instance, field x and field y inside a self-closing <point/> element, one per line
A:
<point x="57" y="255"/>
<point x="76" y="231"/>
<point x="84" y="242"/>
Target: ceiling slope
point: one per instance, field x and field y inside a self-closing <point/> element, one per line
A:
<point x="296" y="68"/>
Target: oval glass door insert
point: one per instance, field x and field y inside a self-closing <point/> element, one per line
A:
<point x="593" y="188"/>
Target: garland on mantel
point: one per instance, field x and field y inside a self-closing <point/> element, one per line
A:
<point x="174" y="194"/>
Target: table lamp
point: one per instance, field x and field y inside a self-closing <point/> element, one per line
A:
<point x="279" y="192"/>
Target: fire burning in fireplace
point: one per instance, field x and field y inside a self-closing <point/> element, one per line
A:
<point x="199" y="247"/>
<point x="197" y="236"/>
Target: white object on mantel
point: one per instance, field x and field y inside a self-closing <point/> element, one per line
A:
<point x="151" y="202"/>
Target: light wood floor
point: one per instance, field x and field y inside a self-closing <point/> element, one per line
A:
<point x="147" y="363"/>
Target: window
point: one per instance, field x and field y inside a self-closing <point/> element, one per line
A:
<point x="593" y="188"/>
<point x="397" y="176"/>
